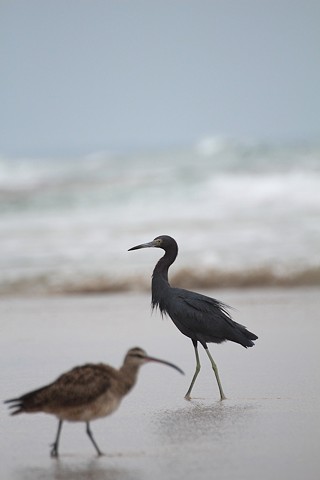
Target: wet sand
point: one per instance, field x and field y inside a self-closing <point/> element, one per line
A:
<point x="268" y="428"/>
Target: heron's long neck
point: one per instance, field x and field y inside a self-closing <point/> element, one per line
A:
<point x="160" y="276"/>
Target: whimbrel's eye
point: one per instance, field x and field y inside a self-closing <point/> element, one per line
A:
<point x="136" y="353"/>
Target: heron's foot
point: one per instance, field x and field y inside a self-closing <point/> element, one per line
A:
<point x="223" y="397"/>
<point x="54" y="451"/>
<point x="187" y="396"/>
<point x="101" y="454"/>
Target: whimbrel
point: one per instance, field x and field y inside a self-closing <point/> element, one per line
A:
<point x="85" y="393"/>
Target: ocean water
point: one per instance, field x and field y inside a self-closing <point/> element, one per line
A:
<point x="243" y="215"/>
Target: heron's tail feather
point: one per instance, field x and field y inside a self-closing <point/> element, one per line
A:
<point x="242" y="336"/>
<point x="247" y="338"/>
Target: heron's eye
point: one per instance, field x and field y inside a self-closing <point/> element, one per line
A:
<point x="158" y="241"/>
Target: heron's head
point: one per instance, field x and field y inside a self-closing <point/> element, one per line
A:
<point x="163" y="241"/>
<point x="137" y="356"/>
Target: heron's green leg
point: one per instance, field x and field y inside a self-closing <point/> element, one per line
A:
<point x="215" y="369"/>
<point x="198" y="366"/>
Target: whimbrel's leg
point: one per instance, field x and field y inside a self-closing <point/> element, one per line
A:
<point x="198" y="366"/>
<point x="215" y="369"/>
<point x="55" y="445"/>
<point x="89" y="433"/>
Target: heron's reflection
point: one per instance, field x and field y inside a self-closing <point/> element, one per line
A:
<point x="199" y="421"/>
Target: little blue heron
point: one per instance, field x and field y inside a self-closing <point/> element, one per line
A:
<point x="201" y="318"/>
<point x="85" y="393"/>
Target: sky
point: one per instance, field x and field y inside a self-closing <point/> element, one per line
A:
<point x="79" y="76"/>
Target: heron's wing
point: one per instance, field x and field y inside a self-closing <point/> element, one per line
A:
<point x="196" y="312"/>
<point x="205" y="319"/>
<point x="198" y="304"/>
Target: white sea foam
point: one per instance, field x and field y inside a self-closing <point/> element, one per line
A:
<point x="236" y="210"/>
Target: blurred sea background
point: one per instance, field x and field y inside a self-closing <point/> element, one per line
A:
<point x="243" y="214"/>
<point x="121" y="121"/>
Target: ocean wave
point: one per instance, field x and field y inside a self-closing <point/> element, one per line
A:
<point x="262" y="277"/>
<point x="234" y="209"/>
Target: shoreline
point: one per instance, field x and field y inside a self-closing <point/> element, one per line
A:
<point x="89" y="283"/>
<point x="268" y="426"/>
<point x="184" y="279"/>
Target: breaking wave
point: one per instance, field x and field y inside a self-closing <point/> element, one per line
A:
<point x="243" y="215"/>
<point x="184" y="278"/>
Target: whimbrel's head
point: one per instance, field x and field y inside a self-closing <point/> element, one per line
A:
<point x="138" y="356"/>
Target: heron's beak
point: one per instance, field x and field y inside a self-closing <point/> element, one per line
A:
<point x="142" y="245"/>
<point x="157" y="360"/>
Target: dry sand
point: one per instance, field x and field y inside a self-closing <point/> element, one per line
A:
<point x="268" y="428"/>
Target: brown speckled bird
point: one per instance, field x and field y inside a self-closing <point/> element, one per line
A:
<point x="85" y="393"/>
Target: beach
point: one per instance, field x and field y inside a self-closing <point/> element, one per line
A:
<point x="267" y="428"/>
<point x="123" y="122"/>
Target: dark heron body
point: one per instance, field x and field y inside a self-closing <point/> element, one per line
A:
<point x="85" y="393"/>
<point x="201" y="318"/>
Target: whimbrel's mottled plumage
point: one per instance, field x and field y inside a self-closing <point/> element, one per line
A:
<point x="85" y="393"/>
